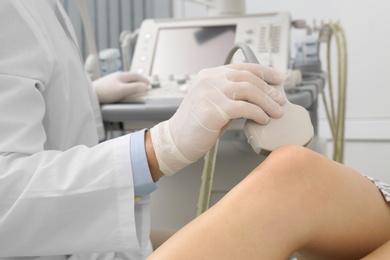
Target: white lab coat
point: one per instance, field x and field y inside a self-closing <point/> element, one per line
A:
<point x="61" y="192"/>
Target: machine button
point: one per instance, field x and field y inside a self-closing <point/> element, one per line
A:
<point x="155" y="84"/>
<point x="143" y="58"/>
<point x="148" y="36"/>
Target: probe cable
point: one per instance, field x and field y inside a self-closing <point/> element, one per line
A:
<point x="336" y="120"/>
<point x="210" y="157"/>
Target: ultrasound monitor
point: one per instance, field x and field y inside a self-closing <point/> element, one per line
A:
<point x="175" y="48"/>
<point x="186" y="50"/>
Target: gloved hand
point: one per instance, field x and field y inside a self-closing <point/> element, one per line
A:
<point x="217" y="96"/>
<point x="118" y="85"/>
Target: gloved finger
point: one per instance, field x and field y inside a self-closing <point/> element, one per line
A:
<point x="245" y="91"/>
<point x="247" y="76"/>
<point x="225" y="110"/>
<point x="266" y="73"/>
<point x="129" y="76"/>
<point x="224" y="129"/>
<point x="242" y="109"/>
<point x="134" y="88"/>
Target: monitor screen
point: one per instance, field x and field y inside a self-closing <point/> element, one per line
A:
<point x="186" y="50"/>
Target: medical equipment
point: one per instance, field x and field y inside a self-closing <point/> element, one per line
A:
<point x="307" y="60"/>
<point x="293" y="128"/>
<point x="128" y="41"/>
<point x="336" y="118"/>
<point x="110" y="61"/>
<point x="160" y="55"/>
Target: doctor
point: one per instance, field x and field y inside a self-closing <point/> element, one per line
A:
<point x="62" y="192"/>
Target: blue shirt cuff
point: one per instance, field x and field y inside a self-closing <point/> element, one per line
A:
<point x="142" y="179"/>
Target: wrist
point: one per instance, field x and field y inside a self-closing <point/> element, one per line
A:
<point x="169" y="159"/>
<point x="155" y="172"/>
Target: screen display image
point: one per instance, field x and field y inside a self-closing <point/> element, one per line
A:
<point x="186" y="50"/>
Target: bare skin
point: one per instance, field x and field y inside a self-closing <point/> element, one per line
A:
<point x="152" y="159"/>
<point x="295" y="201"/>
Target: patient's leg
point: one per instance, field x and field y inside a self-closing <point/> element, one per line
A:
<point x="295" y="200"/>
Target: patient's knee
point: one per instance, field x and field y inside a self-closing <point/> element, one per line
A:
<point x="292" y="156"/>
<point x="291" y="164"/>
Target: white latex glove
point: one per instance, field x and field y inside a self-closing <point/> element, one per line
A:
<point x="217" y="96"/>
<point x="118" y="85"/>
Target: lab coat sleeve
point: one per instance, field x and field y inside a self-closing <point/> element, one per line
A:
<point x="52" y="202"/>
<point x="59" y="202"/>
<point x="80" y="200"/>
